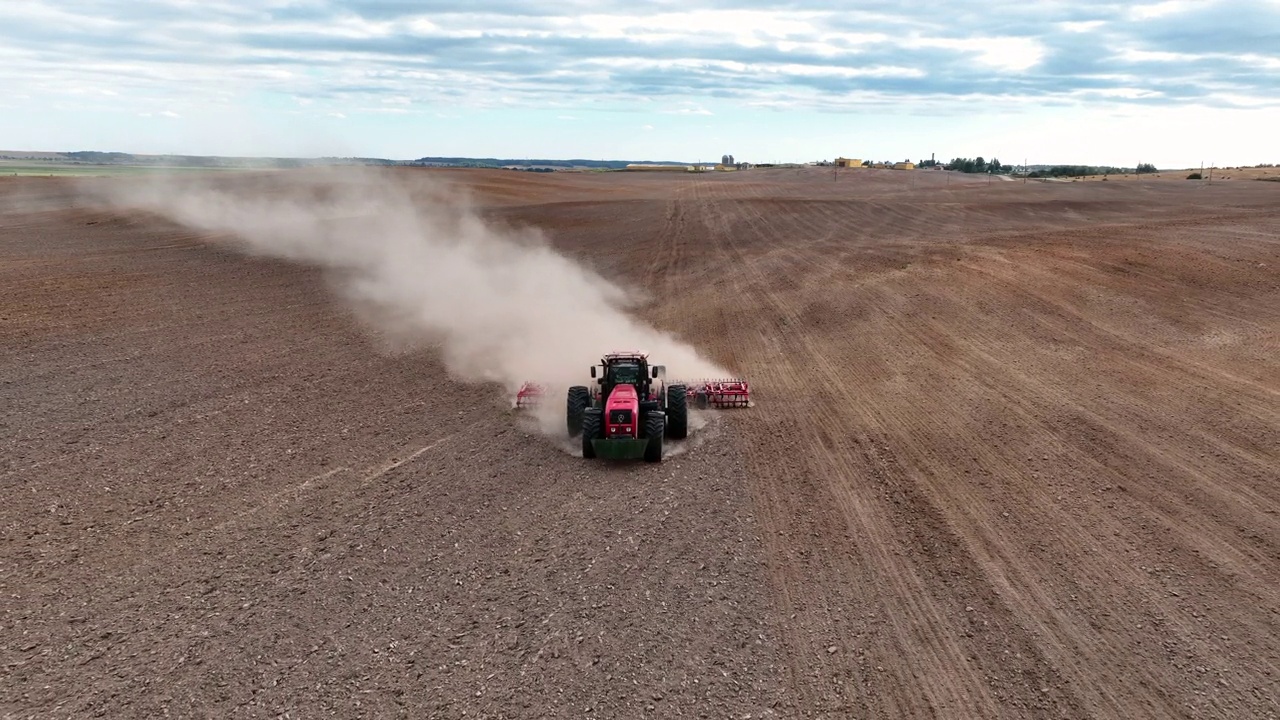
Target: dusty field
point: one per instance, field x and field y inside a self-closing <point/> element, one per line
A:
<point x="1015" y="453"/>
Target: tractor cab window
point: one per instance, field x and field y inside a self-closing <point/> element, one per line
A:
<point x="626" y="374"/>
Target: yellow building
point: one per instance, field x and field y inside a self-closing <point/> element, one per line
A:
<point x="904" y="166"/>
<point x="846" y="162"/>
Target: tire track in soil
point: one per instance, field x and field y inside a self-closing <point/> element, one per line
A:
<point x="869" y="539"/>
<point x="1077" y="580"/>
<point x="1112" y="410"/>
<point x="663" y="273"/>
<point x="1079" y="648"/>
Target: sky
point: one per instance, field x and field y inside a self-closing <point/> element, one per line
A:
<point x="1175" y="83"/>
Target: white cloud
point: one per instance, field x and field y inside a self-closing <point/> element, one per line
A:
<point x="1133" y="55"/>
<point x="746" y="27"/>
<point x="1081" y="26"/>
<point x="691" y="58"/>
<point x="1169" y="7"/>
<point x="548" y="57"/>
<point x="1012" y="54"/>
<point x="1126" y="93"/>
<point x="1239" y="100"/>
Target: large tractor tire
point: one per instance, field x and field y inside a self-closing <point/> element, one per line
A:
<point x="677" y="412"/>
<point x="592" y="428"/>
<point x="578" y="401"/>
<point x="655" y="426"/>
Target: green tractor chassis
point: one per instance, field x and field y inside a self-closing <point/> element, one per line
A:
<point x="620" y="448"/>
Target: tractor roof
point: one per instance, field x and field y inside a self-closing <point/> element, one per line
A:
<point x="625" y="355"/>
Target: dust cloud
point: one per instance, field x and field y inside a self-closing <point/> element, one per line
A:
<point x="417" y="263"/>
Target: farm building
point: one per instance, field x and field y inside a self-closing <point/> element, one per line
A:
<point x="904" y="166"/>
<point x="846" y="162"/>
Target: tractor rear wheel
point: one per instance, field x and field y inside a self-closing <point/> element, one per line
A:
<point x="579" y="400"/>
<point x="677" y="412"/>
<point x="592" y="428"/>
<point x="655" y="426"/>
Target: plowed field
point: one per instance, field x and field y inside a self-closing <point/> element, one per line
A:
<point x="1015" y="452"/>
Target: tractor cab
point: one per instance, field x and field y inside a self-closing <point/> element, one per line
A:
<point x="626" y="368"/>
<point x="624" y="374"/>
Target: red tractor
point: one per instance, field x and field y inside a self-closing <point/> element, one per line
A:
<point x="634" y="409"/>
<point x="630" y="413"/>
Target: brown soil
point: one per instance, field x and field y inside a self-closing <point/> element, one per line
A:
<point x="1015" y="453"/>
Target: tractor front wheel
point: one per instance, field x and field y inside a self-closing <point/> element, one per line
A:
<point x="677" y="412"/>
<point x="655" y="426"/>
<point x="592" y="428"/>
<point x="578" y="401"/>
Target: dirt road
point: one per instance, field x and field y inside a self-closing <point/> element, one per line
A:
<point x="1015" y="453"/>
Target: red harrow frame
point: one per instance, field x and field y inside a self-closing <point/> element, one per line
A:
<point x="530" y="395"/>
<point x="731" y="393"/>
<point x="702" y="394"/>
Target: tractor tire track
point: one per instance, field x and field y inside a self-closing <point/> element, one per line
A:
<point x="858" y="470"/>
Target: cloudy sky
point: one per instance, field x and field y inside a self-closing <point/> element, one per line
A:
<point x="1175" y="82"/>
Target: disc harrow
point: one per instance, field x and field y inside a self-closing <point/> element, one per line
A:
<point x="530" y="395"/>
<point x="718" y="394"/>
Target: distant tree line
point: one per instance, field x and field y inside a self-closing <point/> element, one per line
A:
<point x="978" y="165"/>
<point x="1074" y="171"/>
<point x="1083" y="170"/>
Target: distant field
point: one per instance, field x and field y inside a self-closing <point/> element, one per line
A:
<point x="1219" y="173"/>
<point x="30" y="169"/>
<point x="1015" y="453"/>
